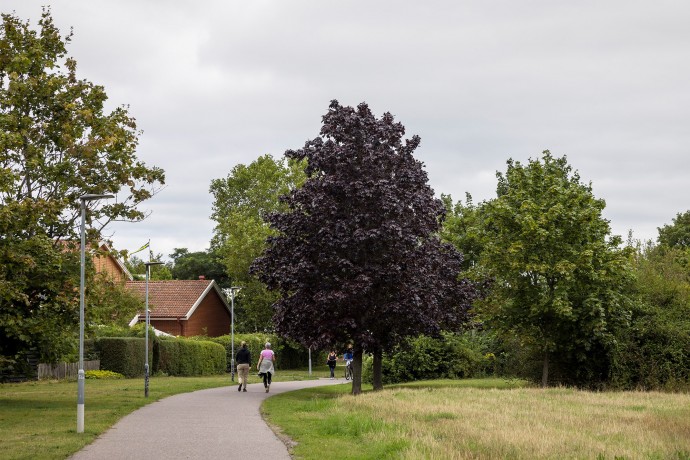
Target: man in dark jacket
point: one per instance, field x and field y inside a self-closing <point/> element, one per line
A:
<point x="243" y="360"/>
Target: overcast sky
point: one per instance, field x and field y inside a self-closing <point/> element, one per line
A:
<point x="217" y="83"/>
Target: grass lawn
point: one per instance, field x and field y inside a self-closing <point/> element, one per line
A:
<point x="482" y="419"/>
<point x="38" y="420"/>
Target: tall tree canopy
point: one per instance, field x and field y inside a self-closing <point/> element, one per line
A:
<point x="356" y="257"/>
<point x="191" y="265"/>
<point x="561" y="280"/>
<point x="676" y="234"/>
<point x="462" y="228"/>
<point x="57" y="143"/>
<point x="241" y="201"/>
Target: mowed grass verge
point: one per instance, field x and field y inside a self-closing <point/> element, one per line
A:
<point x="38" y="420"/>
<point x="482" y="419"/>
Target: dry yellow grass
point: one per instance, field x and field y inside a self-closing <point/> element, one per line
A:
<point x="454" y="423"/>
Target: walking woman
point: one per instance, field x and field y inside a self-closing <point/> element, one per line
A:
<point x="331" y="361"/>
<point x="265" y="365"/>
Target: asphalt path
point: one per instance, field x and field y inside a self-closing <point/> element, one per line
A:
<point x="219" y="423"/>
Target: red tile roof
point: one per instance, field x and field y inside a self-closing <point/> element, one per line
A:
<point x="174" y="298"/>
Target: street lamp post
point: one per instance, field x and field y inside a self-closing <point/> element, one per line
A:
<point x="232" y="290"/>
<point x="81" y="376"/>
<point x="309" y="361"/>
<point x="146" y="334"/>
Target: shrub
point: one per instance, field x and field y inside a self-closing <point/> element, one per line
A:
<point x="189" y="357"/>
<point x="103" y="375"/>
<point x="290" y="354"/>
<point x="124" y="355"/>
<point x="653" y="354"/>
<point x="449" y="356"/>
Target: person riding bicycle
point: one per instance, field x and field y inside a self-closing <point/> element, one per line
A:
<point x="348" y="356"/>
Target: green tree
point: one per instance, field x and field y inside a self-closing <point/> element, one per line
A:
<point x="137" y="267"/>
<point x="111" y="303"/>
<point x="191" y="265"/>
<point x="654" y="352"/>
<point x="462" y="228"/>
<point x="357" y="258"/>
<point x="560" y="278"/>
<point x="676" y="234"/>
<point x="240" y="203"/>
<point x="57" y="143"/>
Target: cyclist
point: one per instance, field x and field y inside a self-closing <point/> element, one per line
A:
<point x="348" y="356"/>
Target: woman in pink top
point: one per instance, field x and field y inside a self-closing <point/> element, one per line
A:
<point x="265" y="365"/>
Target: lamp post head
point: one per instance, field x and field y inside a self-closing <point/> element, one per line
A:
<point x="148" y="264"/>
<point x="92" y="197"/>
<point x="231" y="291"/>
<point x="95" y="196"/>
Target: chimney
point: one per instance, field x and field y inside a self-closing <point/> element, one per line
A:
<point x="202" y="277"/>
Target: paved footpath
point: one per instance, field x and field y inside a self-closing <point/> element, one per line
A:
<point x="220" y="423"/>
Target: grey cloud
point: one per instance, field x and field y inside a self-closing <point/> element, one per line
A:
<point x="213" y="84"/>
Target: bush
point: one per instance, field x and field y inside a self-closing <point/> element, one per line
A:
<point x="103" y="375"/>
<point x="290" y="355"/>
<point x="113" y="330"/>
<point x="449" y="356"/>
<point x="171" y="356"/>
<point x="189" y="357"/>
<point x="653" y="354"/>
<point x="124" y="355"/>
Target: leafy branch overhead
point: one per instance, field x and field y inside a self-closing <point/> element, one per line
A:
<point x="58" y="142"/>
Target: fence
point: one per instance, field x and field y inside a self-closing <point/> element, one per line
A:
<point x="65" y="370"/>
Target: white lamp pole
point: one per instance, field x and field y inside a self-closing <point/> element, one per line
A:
<point x="81" y="376"/>
<point x="146" y="334"/>
<point x="232" y="290"/>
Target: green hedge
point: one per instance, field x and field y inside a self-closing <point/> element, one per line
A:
<point x="653" y="354"/>
<point x="124" y="355"/>
<point x="190" y="357"/>
<point x="290" y="355"/>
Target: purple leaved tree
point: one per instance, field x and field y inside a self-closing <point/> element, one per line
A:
<point x="356" y="258"/>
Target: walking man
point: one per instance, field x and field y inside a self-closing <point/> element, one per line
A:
<point x="243" y="360"/>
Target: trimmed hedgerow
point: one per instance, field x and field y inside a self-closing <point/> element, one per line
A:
<point x="179" y="356"/>
<point x="190" y="357"/>
<point x="124" y="355"/>
<point x="290" y="355"/>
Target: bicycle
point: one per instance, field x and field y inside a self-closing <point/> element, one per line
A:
<point x="348" y="370"/>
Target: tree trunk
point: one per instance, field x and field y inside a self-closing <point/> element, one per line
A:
<point x="378" y="370"/>
<point x="357" y="372"/>
<point x="545" y="370"/>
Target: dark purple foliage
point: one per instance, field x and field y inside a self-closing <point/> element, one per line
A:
<point x="357" y="257"/>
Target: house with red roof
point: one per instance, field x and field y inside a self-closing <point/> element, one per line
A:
<point x="107" y="262"/>
<point x="184" y="307"/>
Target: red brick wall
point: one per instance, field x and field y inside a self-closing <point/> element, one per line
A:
<point x="171" y="327"/>
<point x="106" y="264"/>
<point x="211" y="318"/>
